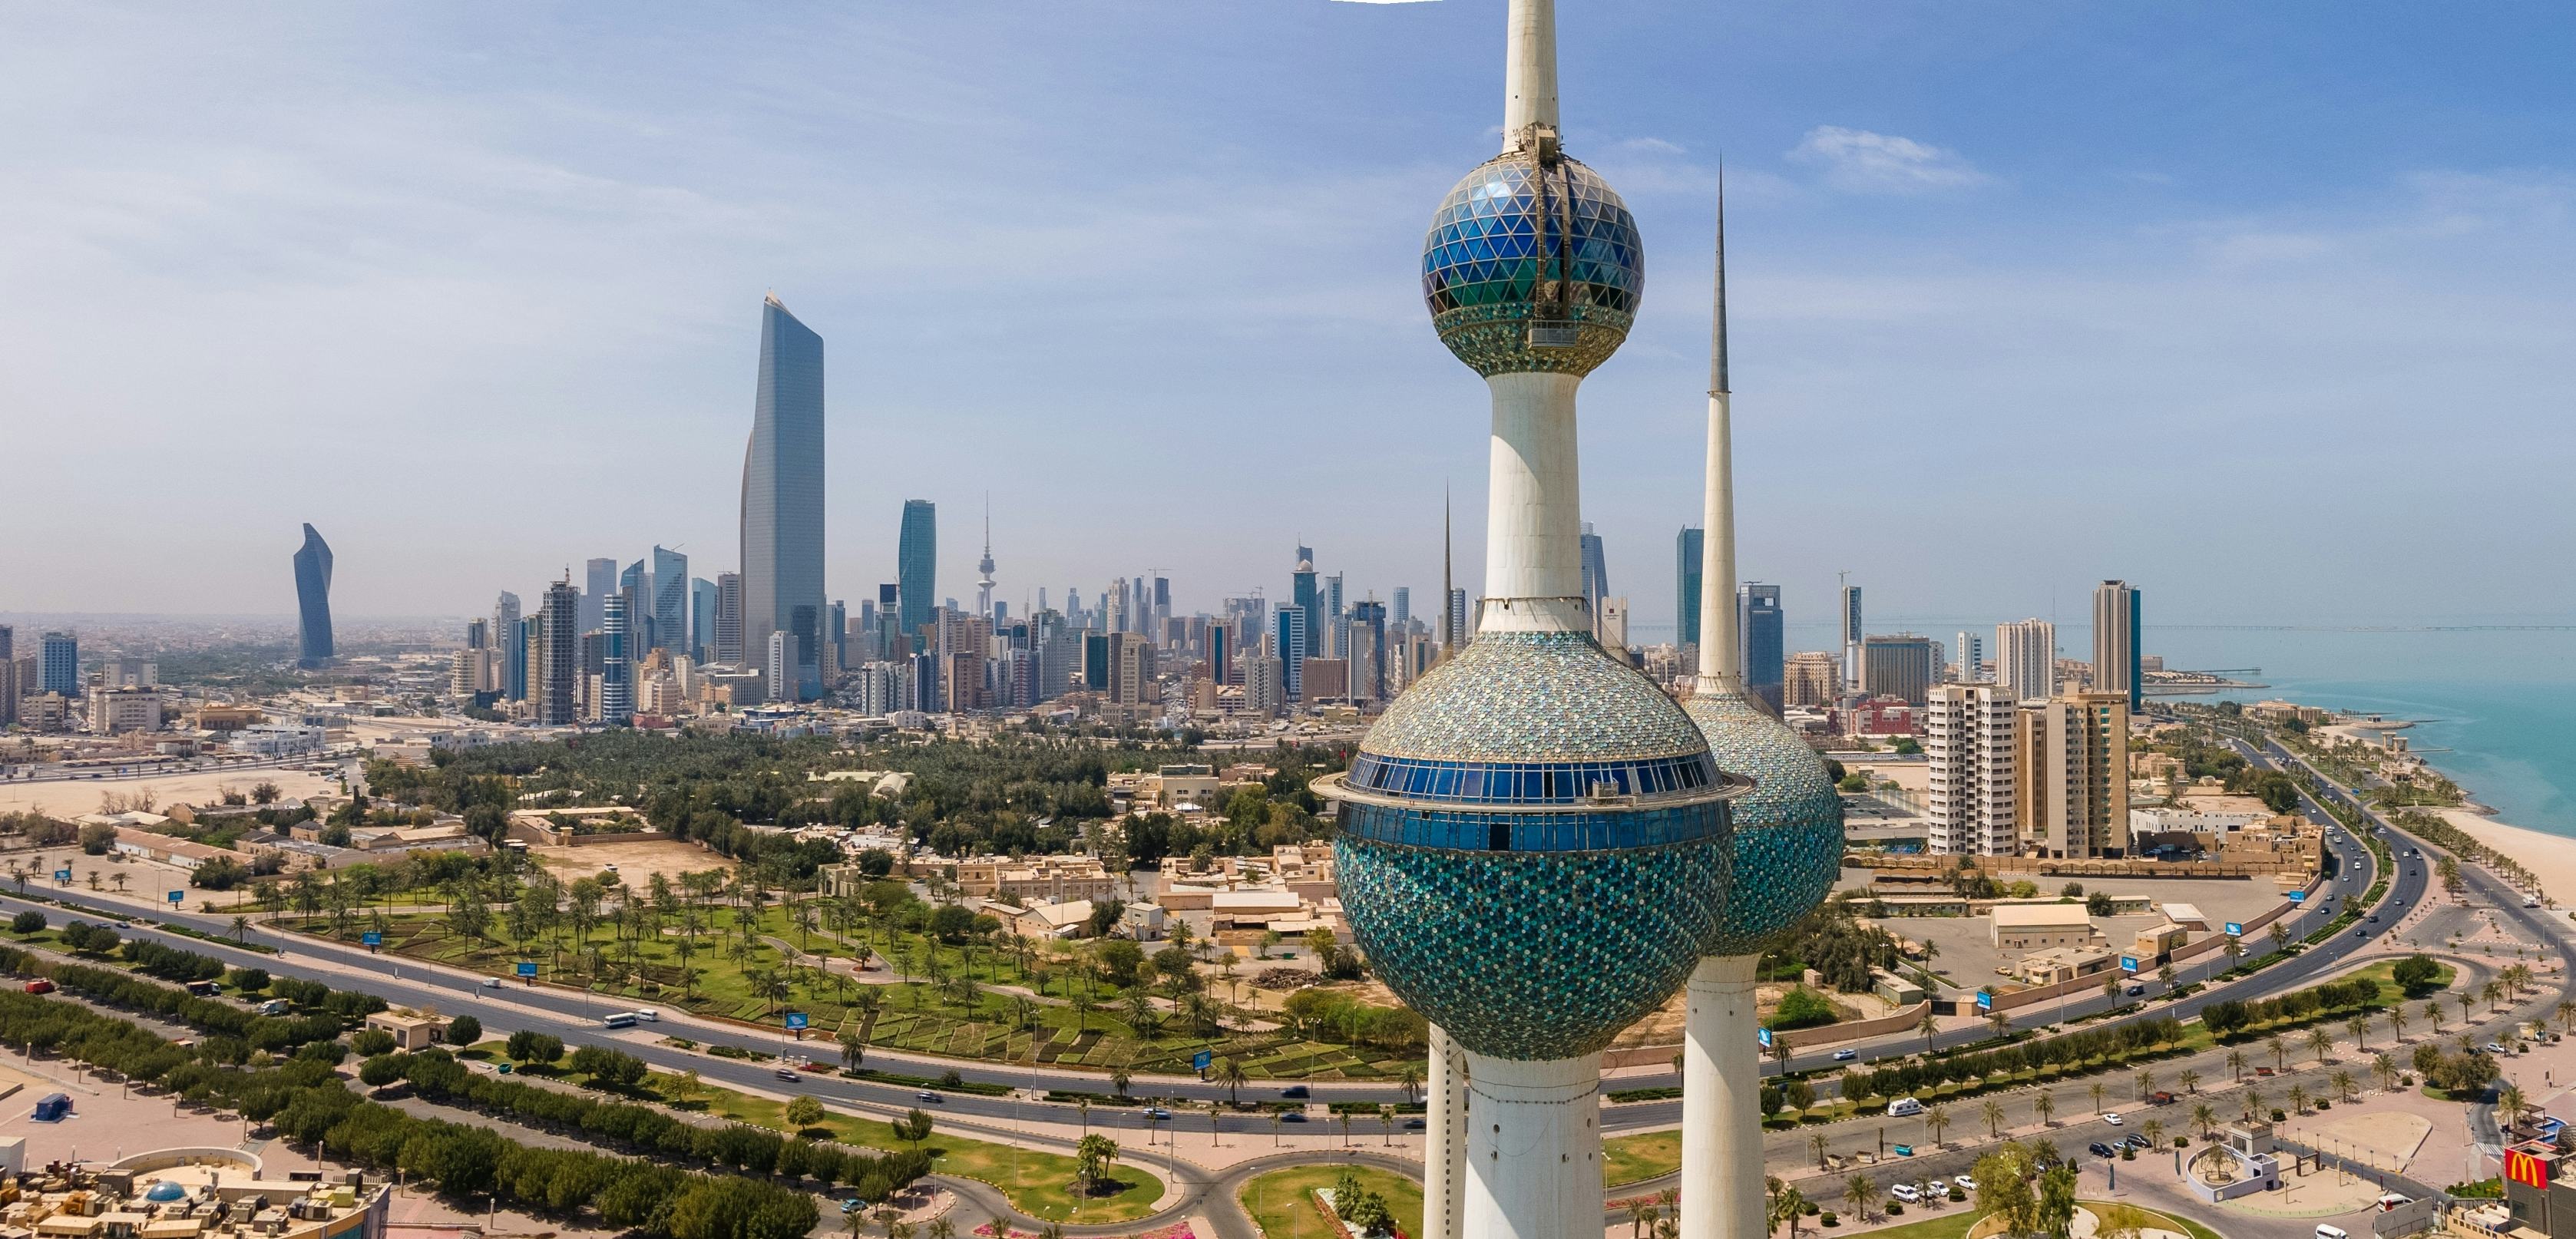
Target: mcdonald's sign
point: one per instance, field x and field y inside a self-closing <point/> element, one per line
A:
<point x="2525" y="1168"/>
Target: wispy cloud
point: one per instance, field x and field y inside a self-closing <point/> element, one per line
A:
<point x="1861" y="162"/>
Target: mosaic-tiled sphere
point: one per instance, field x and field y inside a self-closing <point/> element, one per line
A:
<point x="1788" y="830"/>
<point x="1533" y="846"/>
<point x="1506" y="232"/>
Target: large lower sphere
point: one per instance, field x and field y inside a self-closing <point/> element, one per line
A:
<point x="1788" y="836"/>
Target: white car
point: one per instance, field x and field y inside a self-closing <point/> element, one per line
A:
<point x="2112" y="1119"/>
<point x="1905" y="1192"/>
<point x="1966" y="1183"/>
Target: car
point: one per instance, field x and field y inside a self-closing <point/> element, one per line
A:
<point x="2136" y="1141"/>
<point x="2414" y="873"/>
<point x="1904" y="1150"/>
<point x="785" y="1073"/>
<point x="2135" y="991"/>
<point x="1296" y="1090"/>
<point x="2361" y="933"/>
<point x="1299" y="1116"/>
<point x="40" y="986"/>
<point x="1409" y="1124"/>
<point x="925" y="1096"/>
<point x="1905" y="1192"/>
<point x="2112" y="1119"/>
<point x="853" y="1205"/>
<point x="490" y="983"/>
<point x="1845" y="1055"/>
<point x="2496" y="1048"/>
<point x="2263" y="1071"/>
<point x="504" y="1069"/>
<point x="2374" y="918"/>
<point x="1966" y="1183"/>
<point x="2099" y="1149"/>
<point x="1157" y="1113"/>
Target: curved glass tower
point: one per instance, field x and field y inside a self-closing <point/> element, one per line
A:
<point x="782" y="500"/>
<point x="313" y="600"/>
<point x="1533" y="844"/>
<point x="1787" y="844"/>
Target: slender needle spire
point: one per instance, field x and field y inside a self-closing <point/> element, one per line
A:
<point x="1717" y="339"/>
<point x="1721" y="662"/>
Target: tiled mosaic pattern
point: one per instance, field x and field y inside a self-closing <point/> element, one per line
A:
<point x="1506" y="228"/>
<point x="1502" y="830"/>
<point x="1788" y="829"/>
<point x="1532" y="955"/>
<point x="1533" y="697"/>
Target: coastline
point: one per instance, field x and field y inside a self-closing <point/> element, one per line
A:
<point x="2550" y="857"/>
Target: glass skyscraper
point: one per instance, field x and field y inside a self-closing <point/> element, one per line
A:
<point x="1762" y="629"/>
<point x="1688" y="549"/>
<point x="670" y="601"/>
<point x="313" y="600"/>
<point x="616" y="673"/>
<point x="58" y="670"/>
<point x="782" y="493"/>
<point x="916" y="560"/>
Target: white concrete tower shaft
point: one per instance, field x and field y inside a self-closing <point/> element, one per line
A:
<point x="1721" y="1170"/>
<point x="1444" y="1171"/>
<point x="1529" y="75"/>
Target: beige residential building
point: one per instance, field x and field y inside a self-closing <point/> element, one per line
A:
<point x="1810" y="678"/>
<point x="2042" y="926"/>
<point x="1968" y="735"/>
<point x="1039" y="879"/>
<point x="2071" y="764"/>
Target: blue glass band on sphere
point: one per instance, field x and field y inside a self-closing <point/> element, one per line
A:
<point x="1471" y="831"/>
<point x="1515" y="783"/>
<point x="1788" y="836"/>
<point x="1533" y="955"/>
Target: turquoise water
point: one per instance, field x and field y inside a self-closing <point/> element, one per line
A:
<point x="2503" y="703"/>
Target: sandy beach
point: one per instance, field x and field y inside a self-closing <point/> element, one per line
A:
<point x="2551" y="857"/>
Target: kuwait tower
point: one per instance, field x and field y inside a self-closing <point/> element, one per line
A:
<point x="1534" y="840"/>
<point x="1788" y="847"/>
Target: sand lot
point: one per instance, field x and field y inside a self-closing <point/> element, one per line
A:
<point x="636" y="862"/>
<point x="74" y="797"/>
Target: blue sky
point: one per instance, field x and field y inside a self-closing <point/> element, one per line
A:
<point x="2266" y="308"/>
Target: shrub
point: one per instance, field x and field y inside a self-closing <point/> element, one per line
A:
<point x="27" y="922"/>
<point x="248" y="980"/>
<point x="1802" y="1008"/>
<point x="464" y="1030"/>
<point x="370" y="1042"/>
<point x="527" y="1046"/>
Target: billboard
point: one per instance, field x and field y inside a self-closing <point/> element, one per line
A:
<point x="2525" y="1168"/>
<point x="795" y="1019"/>
<point x="1985" y="1000"/>
<point x="2128" y="963"/>
<point x="2235" y="930"/>
<point x="527" y="968"/>
<point x="1763" y="1035"/>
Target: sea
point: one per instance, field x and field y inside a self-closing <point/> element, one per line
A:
<point x="2494" y="704"/>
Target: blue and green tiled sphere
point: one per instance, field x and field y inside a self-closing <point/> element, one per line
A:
<point x="1788" y="830"/>
<point x="1513" y="225"/>
<point x="1533" y="848"/>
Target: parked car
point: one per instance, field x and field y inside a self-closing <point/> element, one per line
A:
<point x="1904" y="1150"/>
<point x="2497" y="1048"/>
<point x="2137" y="1142"/>
<point x="2112" y="1119"/>
<point x="1845" y="1055"/>
<point x="1409" y="1124"/>
<point x="1299" y="1091"/>
<point x="1966" y="1183"/>
<point x="853" y="1205"/>
<point x="40" y="986"/>
<point x="1157" y="1113"/>
<point x="2099" y="1149"/>
<point x="1905" y="1192"/>
<point x="1299" y="1116"/>
<point x="2263" y="1071"/>
<point x="491" y="982"/>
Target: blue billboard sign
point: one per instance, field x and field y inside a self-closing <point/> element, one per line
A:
<point x="1200" y="1060"/>
<point x="372" y="938"/>
<point x="1763" y="1035"/>
<point x="178" y="896"/>
<point x="1985" y="1000"/>
<point x="62" y="875"/>
<point x="795" y="1019"/>
<point x="2298" y="896"/>
<point x="2128" y="963"/>
<point x="2235" y="930"/>
<point x="527" y="968"/>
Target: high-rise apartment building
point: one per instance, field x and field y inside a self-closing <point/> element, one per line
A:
<point x="559" y="669"/>
<point x="1970" y="652"/>
<point x="1400" y="608"/>
<point x="1367" y="655"/>
<point x="1811" y="678"/>
<point x="1853" y="636"/>
<point x="1690" y="552"/>
<point x="782" y="497"/>
<point x="1302" y="596"/>
<point x="1289" y="647"/>
<point x="313" y="600"/>
<point x="616" y="664"/>
<point x="1900" y="666"/>
<point x="1262" y="693"/>
<point x="2026" y="659"/>
<point x="670" y="601"/>
<point x="2116" y="659"/>
<point x="58" y="666"/>
<point x="728" y="647"/>
<point x="599" y="580"/>
<point x="916" y="560"/>
<point x="1968" y="734"/>
<point x="2071" y="763"/>
<point x="1762" y="631"/>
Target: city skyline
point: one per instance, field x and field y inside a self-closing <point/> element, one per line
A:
<point x="1909" y="242"/>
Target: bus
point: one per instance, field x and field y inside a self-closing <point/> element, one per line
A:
<point x="621" y="1019"/>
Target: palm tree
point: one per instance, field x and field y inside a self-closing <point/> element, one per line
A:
<point x="1229" y="1072"/>
<point x="1641" y="1214"/>
<point x="1409" y="1078"/>
<point x="2096" y="1090"/>
<point x="241" y="924"/>
<point x="2280" y="1052"/>
<point x="2493" y="992"/>
<point x="2397" y="1021"/>
<point x="2320" y="1044"/>
<point x="1091" y="1158"/>
<point x="2205" y="1117"/>
<point x="2359" y="1027"/>
<point x="2154" y="1131"/>
<point x="2251" y="1103"/>
<point x="2189" y="1079"/>
<point x="2146" y="1084"/>
<point x="2342" y="1083"/>
<point x="1936" y="1118"/>
<point x="1860" y="1193"/>
<point x="1926" y="1026"/>
<point x="2044" y="1105"/>
<point x="2298" y="1098"/>
<point x="2433" y="1012"/>
<point x="1786" y="1207"/>
<point x="1118" y="1081"/>
<point x="2236" y="1066"/>
<point x="2510" y="1101"/>
<point x="1993" y="1111"/>
<point x="2384" y="1067"/>
<point x="2566" y="1016"/>
<point x="1817" y="1141"/>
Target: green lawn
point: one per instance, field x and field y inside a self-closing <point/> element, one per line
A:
<point x="1283" y="1204"/>
<point x="1628" y="1159"/>
<point x="1954" y="1226"/>
<point x="974" y="1022"/>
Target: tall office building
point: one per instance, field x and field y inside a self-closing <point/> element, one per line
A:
<point x="916" y="562"/>
<point x="599" y="580"/>
<point x="2026" y="660"/>
<point x="2071" y="763"/>
<point x="1811" y="678"/>
<point x="1901" y="666"/>
<point x="1853" y="636"/>
<point x="9" y="692"/>
<point x="1971" y="652"/>
<point x="1162" y="599"/>
<point x="1968" y="734"/>
<point x="782" y="496"/>
<point x="836" y="633"/>
<point x="513" y="659"/>
<point x="636" y="587"/>
<point x="505" y="618"/>
<point x="1337" y="619"/>
<point x="1596" y="572"/>
<point x="1367" y="653"/>
<point x="1302" y="595"/>
<point x="728" y="647"/>
<point x="1690" y="553"/>
<point x="2115" y="643"/>
<point x="1400" y="609"/>
<point x="1762" y="633"/>
<point x="670" y="601"/>
<point x="702" y="619"/>
<point x="58" y="668"/>
<point x="559" y="652"/>
<point x="1456" y="613"/>
<point x="312" y="601"/>
<point x="1289" y="647"/>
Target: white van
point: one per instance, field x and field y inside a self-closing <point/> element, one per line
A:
<point x="2331" y="1232"/>
<point x="648" y="1015"/>
<point x="1907" y="1107"/>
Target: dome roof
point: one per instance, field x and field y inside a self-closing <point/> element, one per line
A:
<point x="164" y="1192"/>
<point x="1530" y="696"/>
<point x="1504" y="232"/>
<point x="1788" y="830"/>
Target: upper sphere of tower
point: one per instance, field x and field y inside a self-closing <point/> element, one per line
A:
<point x="1532" y="265"/>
